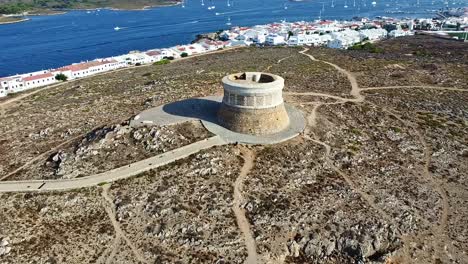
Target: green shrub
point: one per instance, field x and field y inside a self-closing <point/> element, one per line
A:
<point x="162" y="62"/>
<point x="61" y="77"/>
<point x="184" y="54"/>
<point x="366" y="47"/>
<point x="421" y="53"/>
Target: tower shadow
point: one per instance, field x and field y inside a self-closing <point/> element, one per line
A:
<point x="199" y="108"/>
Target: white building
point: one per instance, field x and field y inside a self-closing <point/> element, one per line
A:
<point x="307" y="39"/>
<point x="211" y="45"/>
<point x="298" y="40"/>
<point x="38" y="80"/>
<point x="344" y="39"/>
<point x="156" y="54"/>
<point x="275" y="39"/>
<point x="400" y="33"/>
<point x="10" y="85"/>
<point x="85" y="69"/>
<point x="135" y="58"/>
<point x="373" y="34"/>
<point x="260" y="39"/>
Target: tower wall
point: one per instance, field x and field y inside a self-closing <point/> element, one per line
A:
<point x="253" y="104"/>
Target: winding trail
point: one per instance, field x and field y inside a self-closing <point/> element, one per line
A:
<point x="438" y="229"/>
<point x="110" y="209"/>
<point x="355" y="91"/>
<point x="417" y="87"/>
<point x="248" y="155"/>
<point x="39" y="157"/>
<point x="278" y="62"/>
<point x="242" y="221"/>
<point x="441" y="227"/>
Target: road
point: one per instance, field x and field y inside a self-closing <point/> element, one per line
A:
<point x="112" y="175"/>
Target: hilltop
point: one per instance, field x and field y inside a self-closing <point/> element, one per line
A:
<point x="379" y="175"/>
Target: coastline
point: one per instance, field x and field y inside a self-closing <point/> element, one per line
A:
<point x="13" y="97"/>
<point x="15" y="21"/>
<point x="48" y="12"/>
<point x="139" y="9"/>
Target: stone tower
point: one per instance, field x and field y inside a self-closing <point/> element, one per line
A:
<point x="253" y="104"/>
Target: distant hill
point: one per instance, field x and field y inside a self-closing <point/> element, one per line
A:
<point x="19" y="6"/>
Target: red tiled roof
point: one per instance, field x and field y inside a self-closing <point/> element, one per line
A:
<point x="84" y="65"/>
<point x="38" y="77"/>
<point x="6" y="79"/>
<point x="153" y="53"/>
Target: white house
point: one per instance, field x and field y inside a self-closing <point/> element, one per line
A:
<point x="196" y="48"/>
<point x="275" y="39"/>
<point x="373" y="34"/>
<point x="210" y="45"/>
<point x="10" y="85"/>
<point x="156" y="54"/>
<point x="168" y="53"/>
<point x="298" y="40"/>
<point x="85" y="69"/>
<point x="178" y="50"/>
<point x="260" y="39"/>
<point x="400" y="33"/>
<point x="38" y="80"/>
<point x="344" y="39"/>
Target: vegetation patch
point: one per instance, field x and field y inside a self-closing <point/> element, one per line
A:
<point x="369" y="47"/>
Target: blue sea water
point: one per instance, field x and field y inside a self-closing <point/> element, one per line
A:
<point x="47" y="42"/>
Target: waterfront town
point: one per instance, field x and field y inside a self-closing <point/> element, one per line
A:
<point x="327" y="33"/>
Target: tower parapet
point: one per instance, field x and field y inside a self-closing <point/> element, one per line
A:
<point x="253" y="103"/>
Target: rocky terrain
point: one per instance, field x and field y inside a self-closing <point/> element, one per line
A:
<point x="111" y="147"/>
<point x="378" y="176"/>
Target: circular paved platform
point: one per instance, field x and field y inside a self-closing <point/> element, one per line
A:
<point x="205" y="109"/>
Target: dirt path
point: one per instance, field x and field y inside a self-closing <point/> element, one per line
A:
<point x="39" y="157"/>
<point x="110" y="209"/>
<point x="321" y="95"/>
<point x="416" y="86"/>
<point x="278" y="62"/>
<point x="438" y="229"/>
<point x="242" y="221"/>
<point x="43" y="155"/>
<point x="355" y="91"/>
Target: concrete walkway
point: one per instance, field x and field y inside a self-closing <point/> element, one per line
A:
<point x="112" y="175"/>
<point x="205" y="109"/>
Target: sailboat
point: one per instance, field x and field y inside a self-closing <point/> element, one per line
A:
<point x="346" y="4"/>
<point x="374" y="3"/>
<point x="228" y="3"/>
<point x="333" y="3"/>
<point x="203" y="2"/>
<point x="212" y="6"/>
<point x="228" y="23"/>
